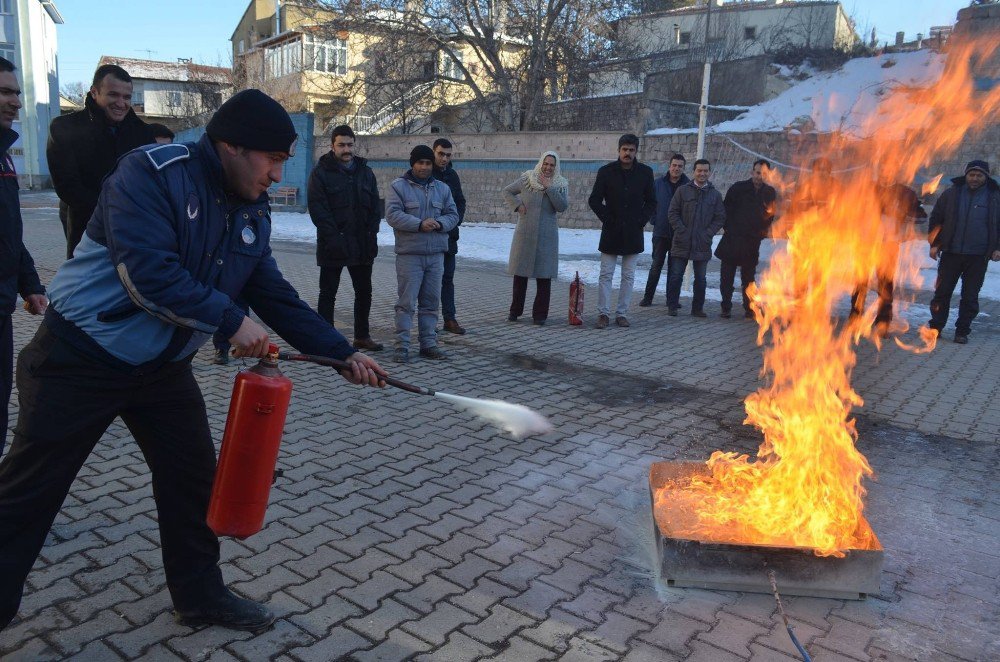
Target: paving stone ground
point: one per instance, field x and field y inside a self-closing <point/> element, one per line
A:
<point x="405" y="529"/>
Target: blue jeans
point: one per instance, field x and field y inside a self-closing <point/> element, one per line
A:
<point x="448" y="288"/>
<point x="418" y="278"/>
<point x="675" y="274"/>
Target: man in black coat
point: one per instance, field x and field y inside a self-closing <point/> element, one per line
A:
<point x="624" y="199"/>
<point x="445" y="172"/>
<point x="85" y="145"/>
<point x="899" y="207"/>
<point x="964" y="232"/>
<point x="17" y="269"/>
<point x="343" y="205"/>
<point x="750" y="206"/>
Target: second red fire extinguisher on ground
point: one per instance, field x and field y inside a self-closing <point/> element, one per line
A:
<point x="249" y="449"/>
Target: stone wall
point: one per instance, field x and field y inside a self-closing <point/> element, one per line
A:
<point x="734" y="83"/>
<point x="621" y="112"/>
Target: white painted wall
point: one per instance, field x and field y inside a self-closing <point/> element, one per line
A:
<point x="33" y="34"/>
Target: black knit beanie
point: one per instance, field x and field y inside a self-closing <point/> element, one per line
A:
<point x="981" y="166"/>
<point x="421" y="152"/>
<point x="253" y="120"/>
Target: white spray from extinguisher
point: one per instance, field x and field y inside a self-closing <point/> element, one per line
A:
<point x="518" y="420"/>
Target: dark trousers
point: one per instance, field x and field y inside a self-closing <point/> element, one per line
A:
<point x="727" y="277"/>
<point x="972" y="270"/>
<point x="543" y="293"/>
<point x="6" y="372"/>
<point x="884" y="286"/>
<point x="67" y="401"/>
<point x="661" y="246"/>
<point x="675" y="275"/>
<point x="448" y="288"/>
<point x="361" y="279"/>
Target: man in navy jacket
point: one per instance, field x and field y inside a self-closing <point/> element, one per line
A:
<point x="17" y="269"/>
<point x="180" y="231"/>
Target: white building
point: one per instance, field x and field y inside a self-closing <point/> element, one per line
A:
<point x="28" y="39"/>
<point x="743" y="28"/>
<point x="176" y="94"/>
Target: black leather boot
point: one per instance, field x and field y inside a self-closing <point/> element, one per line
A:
<point x="228" y="610"/>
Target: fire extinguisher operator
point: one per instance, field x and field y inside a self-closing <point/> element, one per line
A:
<point x="179" y="232"/>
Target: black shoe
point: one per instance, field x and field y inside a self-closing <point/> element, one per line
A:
<point x="962" y="338"/>
<point x="645" y="303"/>
<point x="538" y="322"/>
<point x="512" y="318"/>
<point x="229" y="611"/>
<point x="672" y="312"/>
<point x="369" y="344"/>
<point x="221" y="357"/>
<point x="726" y="313"/>
<point x="432" y="353"/>
<point x="698" y="313"/>
<point x="400" y="355"/>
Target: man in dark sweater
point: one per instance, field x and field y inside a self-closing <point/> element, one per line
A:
<point x="445" y="172"/>
<point x="84" y="146"/>
<point x="964" y="232"/>
<point x="663" y="234"/>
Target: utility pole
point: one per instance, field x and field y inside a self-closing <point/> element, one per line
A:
<point x="706" y="78"/>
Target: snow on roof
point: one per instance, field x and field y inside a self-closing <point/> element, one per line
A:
<point x="175" y="71"/>
<point x="839" y="100"/>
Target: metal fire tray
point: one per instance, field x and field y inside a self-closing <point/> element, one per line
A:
<point x="743" y="567"/>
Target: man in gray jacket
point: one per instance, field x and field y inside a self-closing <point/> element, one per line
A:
<point x="696" y="213"/>
<point x="421" y="211"/>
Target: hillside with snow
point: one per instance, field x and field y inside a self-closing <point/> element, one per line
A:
<point x="838" y="100"/>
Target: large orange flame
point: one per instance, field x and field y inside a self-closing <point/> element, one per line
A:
<point x="805" y="487"/>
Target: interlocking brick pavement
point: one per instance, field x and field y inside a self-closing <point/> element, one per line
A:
<point x="405" y="529"/>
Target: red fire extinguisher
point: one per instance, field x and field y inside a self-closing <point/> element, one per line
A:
<point x="249" y="449"/>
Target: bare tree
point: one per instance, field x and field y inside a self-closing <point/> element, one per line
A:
<point x="503" y="57"/>
<point x="75" y="92"/>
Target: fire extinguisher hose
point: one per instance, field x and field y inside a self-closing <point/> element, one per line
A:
<point x="518" y="420"/>
<point x="344" y="365"/>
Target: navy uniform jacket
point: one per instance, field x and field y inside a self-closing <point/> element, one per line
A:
<point x="162" y="261"/>
<point x="17" y="269"/>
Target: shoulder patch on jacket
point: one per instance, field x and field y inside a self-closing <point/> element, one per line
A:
<point x="163" y="155"/>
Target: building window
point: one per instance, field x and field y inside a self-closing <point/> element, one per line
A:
<point x="137" y="97"/>
<point x="242" y="47"/>
<point x="329" y="55"/>
<point x="7" y="51"/>
<point x="685" y="39"/>
<point x="173" y="99"/>
<point x="450" y="67"/>
<point x="284" y="59"/>
<point x="750" y="33"/>
<point x="7" y="7"/>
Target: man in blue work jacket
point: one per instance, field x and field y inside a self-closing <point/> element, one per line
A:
<point x="178" y="233"/>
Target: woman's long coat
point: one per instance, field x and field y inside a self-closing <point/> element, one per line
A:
<point x="534" y="251"/>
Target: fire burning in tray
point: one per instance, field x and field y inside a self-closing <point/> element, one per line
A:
<point x="805" y="487"/>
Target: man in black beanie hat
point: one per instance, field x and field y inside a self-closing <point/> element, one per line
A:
<point x="179" y="233"/>
<point x="964" y="232"/>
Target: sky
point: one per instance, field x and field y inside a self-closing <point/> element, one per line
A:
<point x="200" y="29"/>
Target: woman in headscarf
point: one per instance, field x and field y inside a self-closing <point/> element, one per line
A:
<point x="537" y="195"/>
